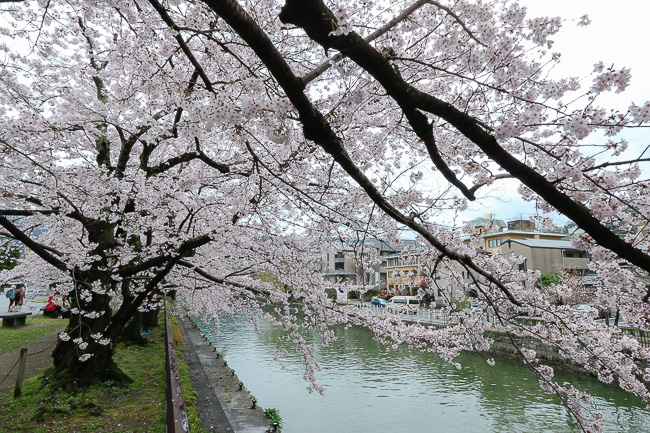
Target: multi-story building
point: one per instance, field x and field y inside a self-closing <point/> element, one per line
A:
<point x="493" y="242"/>
<point x="546" y="251"/>
<point x="338" y="265"/>
<point x="548" y="256"/>
<point x="403" y="274"/>
<point x="409" y="275"/>
<point x="350" y="261"/>
<point x="488" y="220"/>
<point x="498" y="232"/>
<point x="557" y="257"/>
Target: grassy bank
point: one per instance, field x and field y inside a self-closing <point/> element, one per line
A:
<point x="37" y="327"/>
<point x="138" y="407"/>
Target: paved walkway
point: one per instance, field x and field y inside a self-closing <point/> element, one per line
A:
<point x="39" y="356"/>
<point x="223" y="408"/>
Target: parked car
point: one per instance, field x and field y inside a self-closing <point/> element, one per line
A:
<point x="378" y="301"/>
<point x="403" y="304"/>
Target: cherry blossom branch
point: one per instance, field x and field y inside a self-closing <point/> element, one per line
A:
<point x="474" y="80"/>
<point x="458" y="20"/>
<point x="317" y="129"/>
<point x="33" y="245"/>
<point x="26" y="212"/>
<point x="179" y="110"/>
<point x="29" y="158"/>
<point x="500" y="176"/>
<point x="424" y="130"/>
<point x="127" y="147"/>
<point x="128" y="309"/>
<point x="162" y="11"/>
<point x="185" y="157"/>
<point x="184" y="248"/>
<point x="308" y="15"/>
<point x="615" y="163"/>
<point x="309" y="199"/>
<point x="208" y="276"/>
<point x="315" y="73"/>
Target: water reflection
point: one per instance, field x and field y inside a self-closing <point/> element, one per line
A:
<point x="371" y="390"/>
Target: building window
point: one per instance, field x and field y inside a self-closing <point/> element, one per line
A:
<point x="390" y="274"/>
<point x="522" y="266"/>
<point x="499" y="242"/>
<point x="492" y="243"/>
<point x="339" y="266"/>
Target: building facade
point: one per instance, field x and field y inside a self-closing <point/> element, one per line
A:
<point x="349" y="262"/>
<point x="548" y="256"/>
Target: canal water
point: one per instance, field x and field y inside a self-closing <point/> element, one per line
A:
<point x="368" y="389"/>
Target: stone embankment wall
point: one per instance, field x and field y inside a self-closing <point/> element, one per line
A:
<point x="224" y="406"/>
<point x="503" y="345"/>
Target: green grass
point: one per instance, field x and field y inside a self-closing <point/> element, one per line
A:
<point x="189" y="395"/>
<point x="138" y="407"/>
<point x="37" y="327"/>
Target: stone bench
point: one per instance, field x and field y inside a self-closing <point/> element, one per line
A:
<point x="49" y="313"/>
<point x="56" y="314"/>
<point x="12" y="319"/>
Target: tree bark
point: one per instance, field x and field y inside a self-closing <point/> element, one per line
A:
<point x="81" y="359"/>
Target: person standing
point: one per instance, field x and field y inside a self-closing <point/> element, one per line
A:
<point x="11" y="295"/>
<point x="19" y="297"/>
<point x="150" y="309"/>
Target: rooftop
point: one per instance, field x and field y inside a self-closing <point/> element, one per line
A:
<point x="521" y="232"/>
<point x="545" y="243"/>
<point x="480" y="221"/>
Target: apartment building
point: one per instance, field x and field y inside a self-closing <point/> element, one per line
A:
<point x="548" y="255"/>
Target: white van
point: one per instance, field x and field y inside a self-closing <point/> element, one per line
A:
<point x="403" y="304"/>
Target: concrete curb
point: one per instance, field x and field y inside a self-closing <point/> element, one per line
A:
<point x="223" y="407"/>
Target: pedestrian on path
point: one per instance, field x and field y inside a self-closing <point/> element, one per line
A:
<point x="11" y="295"/>
<point x="16" y="296"/>
<point x="19" y="297"/>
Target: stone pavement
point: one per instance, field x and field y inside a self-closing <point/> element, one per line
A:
<point x="223" y="407"/>
<point x="39" y="356"/>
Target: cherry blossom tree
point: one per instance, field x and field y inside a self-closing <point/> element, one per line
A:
<point x="211" y="147"/>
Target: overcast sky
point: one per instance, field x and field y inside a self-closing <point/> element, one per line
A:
<point x="618" y="34"/>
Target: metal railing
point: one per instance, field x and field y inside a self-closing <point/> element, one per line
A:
<point x="438" y="318"/>
<point x="419" y="315"/>
<point x="176" y="415"/>
<point x="643" y="337"/>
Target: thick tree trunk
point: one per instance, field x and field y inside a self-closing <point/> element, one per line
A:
<point x="154" y="317"/>
<point x="70" y="373"/>
<point x="132" y="332"/>
<point x="84" y="356"/>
